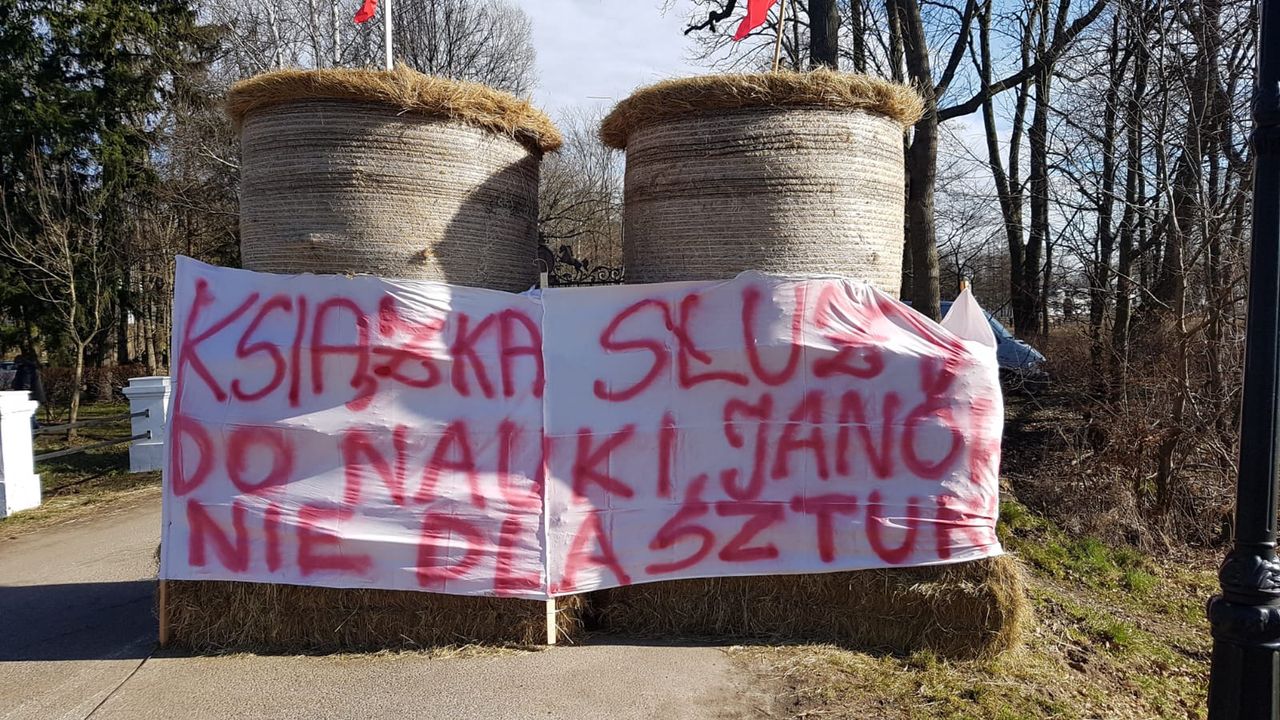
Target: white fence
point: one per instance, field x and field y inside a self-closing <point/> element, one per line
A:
<point x="19" y="483"/>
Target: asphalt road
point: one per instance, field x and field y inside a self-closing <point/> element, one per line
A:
<point x="77" y="635"/>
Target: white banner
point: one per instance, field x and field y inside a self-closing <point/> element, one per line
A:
<point x="360" y="432"/>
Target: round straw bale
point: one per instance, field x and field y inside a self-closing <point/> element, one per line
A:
<point x="966" y="610"/>
<point x="779" y="172"/>
<point x="216" y="616"/>
<point x="794" y="174"/>
<point x="400" y="175"/>
<point x="391" y="173"/>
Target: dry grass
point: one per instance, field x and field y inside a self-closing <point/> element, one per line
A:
<point x="102" y="499"/>
<point x="974" y="609"/>
<point x="708" y="93"/>
<point x="1114" y="634"/>
<point x="209" y="616"/>
<point x="406" y="90"/>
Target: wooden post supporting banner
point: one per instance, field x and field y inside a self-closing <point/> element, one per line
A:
<point x="164" y="612"/>
<point x="386" y="29"/>
<point x="551" y="622"/>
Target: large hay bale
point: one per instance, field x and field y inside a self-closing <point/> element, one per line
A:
<point x="779" y="172"/>
<point x="215" y="616"/>
<point x="965" y="610"/>
<point x="394" y="174"/>
<point x="794" y="174"/>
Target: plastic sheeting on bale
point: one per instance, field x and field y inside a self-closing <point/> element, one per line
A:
<point x="357" y="432"/>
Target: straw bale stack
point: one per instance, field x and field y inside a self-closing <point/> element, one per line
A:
<point x="793" y="174"/>
<point x="779" y="172"/>
<point x="967" y="610"/>
<point x="216" y="616"/>
<point x="396" y="174"/>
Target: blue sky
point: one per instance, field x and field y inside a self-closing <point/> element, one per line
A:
<point x="594" y="49"/>
<point x="595" y="52"/>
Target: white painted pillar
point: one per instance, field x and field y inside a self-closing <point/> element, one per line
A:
<point x="150" y="395"/>
<point x="19" y="483"/>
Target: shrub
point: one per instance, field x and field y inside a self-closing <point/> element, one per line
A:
<point x="102" y="384"/>
<point x="1134" y="451"/>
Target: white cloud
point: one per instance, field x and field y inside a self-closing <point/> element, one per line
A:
<point x="593" y="52"/>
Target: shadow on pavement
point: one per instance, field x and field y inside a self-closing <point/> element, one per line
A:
<point x="77" y="621"/>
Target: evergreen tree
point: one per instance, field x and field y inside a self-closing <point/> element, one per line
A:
<point x="84" y="88"/>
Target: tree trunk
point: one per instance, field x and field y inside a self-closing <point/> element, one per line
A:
<point x="896" y="60"/>
<point x="796" y="56"/>
<point x="1100" y="280"/>
<point x="77" y="377"/>
<point x="1131" y="221"/>
<point x="334" y="27"/>
<point x="824" y="37"/>
<point x="1008" y="183"/>
<point x="922" y="168"/>
<point x="1188" y="210"/>
<point x="123" y="305"/>
<point x="857" y="34"/>
<point x="1224" y="207"/>
<point x="896" y="63"/>
<point x="1165" y="454"/>
<point x="904" y="288"/>
<point x="922" y="164"/>
<point x="1026" y="294"/>
<point x="148" y="338"/>
<point x="1044" y="288"/>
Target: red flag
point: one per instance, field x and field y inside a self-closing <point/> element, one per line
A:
<point x="757" y="13"/>
<point x="365" y="13"/>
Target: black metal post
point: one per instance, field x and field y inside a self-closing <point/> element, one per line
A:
<point x="1244" y="679"/>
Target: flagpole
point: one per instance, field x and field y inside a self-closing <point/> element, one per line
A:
<point x="386" y="21"/>
<point x="777" y="45"/>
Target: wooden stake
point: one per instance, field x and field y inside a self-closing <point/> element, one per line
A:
<point x="164" y="612"/>
<point x="551" y="622"/>
<point x="777" y="45"/>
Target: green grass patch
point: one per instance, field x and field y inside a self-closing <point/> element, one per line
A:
<point x="1088" y="560"/>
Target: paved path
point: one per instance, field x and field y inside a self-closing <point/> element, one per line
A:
<point x="77" y="632"/>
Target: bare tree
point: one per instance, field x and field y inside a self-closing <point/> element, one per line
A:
<point x="486" y="41"/>
<point x="64" y="262"/>
<point x="708" y="20"/>
<point x="580" y="194"/>
<point x="1147" y="176"/>
<point x="970" y="227"/>
<point x="924" y="44"/>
